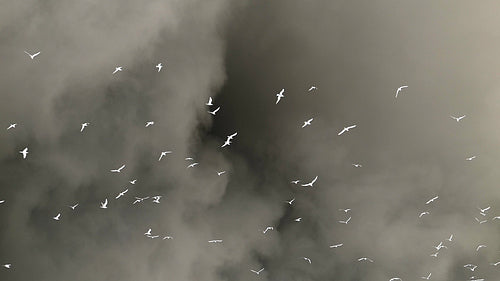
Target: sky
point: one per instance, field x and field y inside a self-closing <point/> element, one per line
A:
<point x="242" y="54"/>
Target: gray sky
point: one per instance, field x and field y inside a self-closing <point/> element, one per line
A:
<point x="242" y="54"/>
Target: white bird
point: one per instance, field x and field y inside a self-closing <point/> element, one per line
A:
<point x="149" y="123"/>
<point x="357" y="165"/>
<point x="345" y="210"/>
<point x="290" y="202"/>
<point x="138" y="199"/>
<point x="2" y="201"/>
<point x="215" y="241"/>
<point x="121" y="193"/>
<point x="471" y="267"/>
<point x="268" y="228"/>
<point x="118" y="170"/>
<point x="451" y="237"/>
<point x="423" y="213"/>
<point x="312" y="88"/>
<point x="435" y="254"/>
<point x="295" y="181"/>
<point x="280" y="95"/>
<point x="12" y="126"/>
<point x="307" y="259"/>
<point x="147" y="233"/>
<point x="395" y="278"/>
<point x="365" y="259"/>
<point x="24" y="152"/>
<point x="480" y="222"/>
<point x="311" y="183"/>
<point x="483" y="211"/>
<point x="57" y="217"/>
<point x="104" y="205"/>
<point x="83" y="126"/>
<point x="307" y="123"/>
<point x="346" y="221"/>
<point x="192" y="165"/>
<point x="496" y="263"/>
<point x="209" y="103"/>
<point x="479" y="247"/>
<point x="188" y="158"/>
<point x="496" y="218"/>
<point x="431" y="200"/>
<point x="257" y="271"/>
<point x="428" y="276"/>
<point x="221" y="172"/>
<point x="458" y="118"/>
<point x="298" y="219"/>
<point x="438" y="247"/>
<point x="168" y="237"/>
<point x="226" y="143"/>
<point x="230" y="137"/>
<point x="159" y="66"/>
<point x="214" y="111"/>
<point x="153" y="236"/>
<point x="133" y="181"/>
<point x="118" y="68"/>
<point x="164" y="153"/>
<point x="337" y="245"/>
<point x="74" y="206"/>
<point x="470" y="158"/>
<point x="399" y="90"/>
<point x="32" y="56"/>
<point x="7" y="265"/>
<point x="346" y="129"/>
<point x="156" y="199"/>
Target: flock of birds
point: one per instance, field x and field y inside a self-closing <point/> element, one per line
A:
<point x="280" y="96"/>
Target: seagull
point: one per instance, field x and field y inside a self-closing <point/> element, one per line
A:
<point x="290" y="202"/>
<point x="188" y="158"/>
<point x="215" y="241"/>
<point x="230" y="137"/>
<point x="133" y="181"/>
<point x="458" y="118"/>
<point x="150" y="123"/>
<point x="471" y="267"/>
<point x="470" y="158"/>
<point x="168" y="237"/>
<point x="307" y="259"/>
<point x="431" y="200"/>
<point x="118" y="170"/>
<point x="153" y="236"/>
<point x="2" y="201"/>
<point x="32" y="56"/>
<point x="311" y="183"/>
<point x="257" y="272"/>
<point x="346" y="129"/>
<point x="451" y="237"/>
<point x="226" y="143"/>
<point x="12" y="126"/>
<point x="435" y="254"/>
<point x="221" y="172"/>
<point x="74" y="206"/>
<point x="156" y="199"/>
<point x="83" y="126"/>
<point x="164" y="153"/>
<point x="346" y="221"/>
<point x="295" y="181"/>
<point x="480" y="222"/>
<point x="496" y="218"/>
<point x="118" y="68"/>
<point x="496" y="263"/>
<point x="7" y="265"/>
<point x="268" y="228"/>
<point x="483" y="211"/>
<point x="147" y="233"/>
<point x="57" y="217"/>
<point x="138" y="200"/>
<point x="357" y="165"/>
<point x="395" y="278"/>
<point x="280" y="95"/>
<point x="298" y="219"/>
<point x="345" y="210"/>
<point x="399" y="90"/>
<point x="24" y="152"/>
<point x="365" y="259"/>
<point x="192" y="165"/>
<point x="104" y="205"/>
<point x="423" y="213"/>
<point x="121" y="193"/>
<point x="312" y="88"/>
<point x="159" y="66"/>
<point x="215" y="111"/>
<point x="209" y="103"/>
<point x="479" y="247"/>
<point x="438" y="247"/>
<point x="337" y="245"/>
<point x="428" y="276"/>
<point x="307" y="123"/>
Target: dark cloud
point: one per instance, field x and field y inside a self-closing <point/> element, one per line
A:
<point x="242" y="54"/>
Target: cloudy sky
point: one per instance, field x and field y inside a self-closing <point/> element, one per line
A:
<point x="242" y="53"/>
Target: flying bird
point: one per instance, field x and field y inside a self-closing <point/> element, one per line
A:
<point x="280" y="95"/>
<point x="168" y="237"/>
<point x="228" y="139"/>
<point x="192" y="165"/>
<point x="83" y="126"/>
<point x="57" y="217"/>
<point x="138" y="199"/>
<point x="399" y="90"/>
<point x="298" y="219"/>
<point x="479" y="247"/>
<point x="496" y="263"/>
<point x="133" y="181"/>
<point x="458" y="118"/>
<point x="268" y="228"/>
<point x="471" y="267"/>
<point x="147" y="233"/>
<point x="209" y="103"/>
<point x="431" y="200"/>
<point x="346" y="221"/>
<point x="451" y="237"/>
<point x="290" y="202"/>
<point x="121" y="193"/>
<point x="156" y="199"/>
<point x="24" y="152"/>
<point x="257" y="271"/>
<point x="365" y="259"/>
<point x="311" y="183"/>
<point x="12" y="126"/>
<point x="220" y="173"/>
<point x="2" y="201"/>
<point x="337" y="245"/>
<point x="345" y="210"/>
<point x="149" y="123"/>
<point x="496" y="218"/>
<point x="346" y="129"/>
<point x="215" y="111"/>
<point x="480" y="222"/>
<point x="307" y="123"/>
<point x="118" y="170"/>
<point x="470" y="158"/>
<point x="423" y="213"/>
<point x="164" y="153"/>
<point x="312" y="88"/>
<point x="438" y="247"/>
<point x="483" y="211"/>
<point x="73" y="207"/>
<point x="295" y="181"/>
<point x="7" y="265"/>
<point x="435" y="254"/>
<point x="395" y="278"/>
<point x="428" y="276"/>
<point x="118" y="68"/>
<point x="159" y="66"/>
<point x="32" y="56"/>
<point x="104" y="205"/>
<point x="215" y="241"/>
<point x="307" y="259"/>
<point x="357" y="165"/>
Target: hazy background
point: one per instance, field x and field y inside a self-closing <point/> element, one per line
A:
<point x="242" y="53"/>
